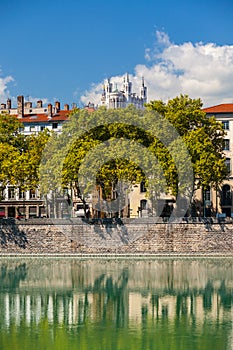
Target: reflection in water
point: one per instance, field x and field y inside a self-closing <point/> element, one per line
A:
<point x="11" y="277"/>
<point x="107" y="304"/>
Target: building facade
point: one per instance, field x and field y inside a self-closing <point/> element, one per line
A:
<point x="29" y="204"/>
<point x="37" y="118"/>
<point x="220" y="200"/>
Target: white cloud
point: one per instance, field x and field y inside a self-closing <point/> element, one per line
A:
<point x="199" y="70"/>
<point x="4" y="92"/>
<point x="93" y="95"/>
<point x="162" y="38"/>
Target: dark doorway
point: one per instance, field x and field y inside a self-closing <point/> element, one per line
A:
<point x="227" y="211"/>
<point x="11" y="212"/>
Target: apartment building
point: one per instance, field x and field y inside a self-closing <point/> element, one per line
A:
<point x="13" y="202"/>
<point x="37" y="118"/>
<point x="220" y="201"/>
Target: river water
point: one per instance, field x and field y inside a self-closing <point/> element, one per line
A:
<point x="162" y="304"/>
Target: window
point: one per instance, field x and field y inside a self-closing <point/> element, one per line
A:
<point x="228" y="164"/>
<point x="55" y="125"/>
<point x="32" y="194"/>
<point x="225" y="124"/>
<point x="143" y="204"/>
<point x="2" y="212"/>
<point x="142" y="187"/>
<point x="11" y="193"/>
<point x="42" y="212"/>
<point x="21" y="194"/>
<point x="32" y="128"/>
<point x="42" y="128"/>
<point x="206" y="194"/>
<point x="2" y="194"/>
<point x="32" y="212"/>
<point x="206" y="202"/>
<point x="21" y="211"/>
<point x="226" y="145"/>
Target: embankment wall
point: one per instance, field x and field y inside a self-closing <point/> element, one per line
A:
<point x="130" y="238"/>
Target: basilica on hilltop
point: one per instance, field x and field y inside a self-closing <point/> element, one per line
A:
<point x="114" y="98"/>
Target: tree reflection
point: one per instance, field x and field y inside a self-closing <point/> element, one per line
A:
<point x="110" y="298"/>
<point x="207" y="296"/>
<point x="106" y="296"/>
<point x="10" y="277"/>
<point x="226" y="296"/>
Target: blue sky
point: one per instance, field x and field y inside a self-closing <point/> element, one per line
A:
<point x="54" y="49"/>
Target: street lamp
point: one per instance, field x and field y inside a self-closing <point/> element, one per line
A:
<point x="204" y="200"/>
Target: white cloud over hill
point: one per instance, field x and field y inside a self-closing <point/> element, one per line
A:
<point x="199" y="70"/>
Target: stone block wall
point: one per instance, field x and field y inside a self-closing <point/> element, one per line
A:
<point x="131" y="238"/>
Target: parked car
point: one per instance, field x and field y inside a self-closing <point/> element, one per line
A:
<point x="79" y="212"/>
<point x="20" y="216"/>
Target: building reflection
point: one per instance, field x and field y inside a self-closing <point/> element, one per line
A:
<point x="125" y="294"/>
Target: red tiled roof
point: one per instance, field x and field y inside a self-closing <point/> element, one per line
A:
<point x="222" y="108"/>
<point x="43" y="117"/>
<point x="90" y="109"/>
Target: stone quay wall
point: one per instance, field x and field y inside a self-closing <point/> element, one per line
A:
<point x="136" y="237"/>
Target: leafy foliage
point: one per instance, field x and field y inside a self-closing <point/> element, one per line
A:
<point x="106" y="146"/>
<point x="203" y="136"/>
<point x="20" y="155"/>
<point x="168" y="145"/>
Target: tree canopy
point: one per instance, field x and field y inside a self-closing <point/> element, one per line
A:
<point x="171" y="146"/>
<point x="203" y="136"/>
<point x="20" y="155"/>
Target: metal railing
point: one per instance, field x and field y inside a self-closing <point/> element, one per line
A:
<point x="117" y="221"/>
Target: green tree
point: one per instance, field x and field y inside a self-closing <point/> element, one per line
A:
<point x="26" y="166"/>
<point x="10" y="128"/>
<point x="168" y="145"/>
<point x="8" y="156"/>
<point x="20" y="155"/>
<point x="12" y="144"/>
<point x="65" y="153"/>
<point x="203" y="136"/>
<point x="110" y="146"/>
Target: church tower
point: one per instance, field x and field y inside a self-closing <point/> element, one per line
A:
<point x="108" y="89"/>
<point x="103" y="97"/>
<point x="114" y="98"/>
<point x="143" y="92"/>
<point x="127" y="88"/>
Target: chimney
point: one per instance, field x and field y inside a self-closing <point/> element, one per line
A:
<point x="66" y="107"/>
<point x="3" y="106"/>
<point x="50" y="110"/>
<point x="20" y="106"/>
<point x="8" y="102"/>
<point x="74" y="105"/>
<point x="57" y="106"/>
<point x="39" y="104"/>
<point x="28" y="104"/>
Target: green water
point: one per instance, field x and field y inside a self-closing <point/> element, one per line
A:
<point x="109" y="304"/>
